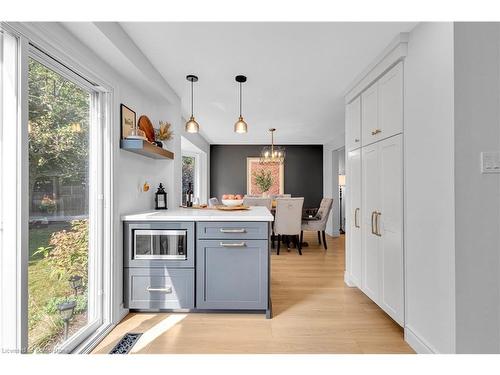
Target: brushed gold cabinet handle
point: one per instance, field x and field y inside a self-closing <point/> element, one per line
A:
<point x="373" y="215"/>
<point x="356" y="218"/>
<point x="377" y="224"/>
<point x="376" y="131"/>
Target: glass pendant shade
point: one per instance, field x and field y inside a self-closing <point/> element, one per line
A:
<point x="192" y="126"/>
<point x="240" y="126"/>
<point x="272" y="153"/>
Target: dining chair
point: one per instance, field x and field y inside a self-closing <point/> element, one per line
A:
<point x="212" y="202"/>
<point x="278" y="196"/>
<point x="287" y="220"/>
<point x="266" y="202"/>
<point x="318" y="222"/>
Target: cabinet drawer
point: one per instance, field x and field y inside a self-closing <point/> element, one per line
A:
<point x="155" y="288"/>
<point x="232" y="275"/>
<point x="232" y="230"/>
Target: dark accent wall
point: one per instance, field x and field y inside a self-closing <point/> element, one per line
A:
<point x="303" y="170"/>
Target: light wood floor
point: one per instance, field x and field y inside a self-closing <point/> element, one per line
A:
<point x="314" y="312"/>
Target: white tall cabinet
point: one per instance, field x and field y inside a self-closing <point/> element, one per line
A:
<point x="374" y="168"/>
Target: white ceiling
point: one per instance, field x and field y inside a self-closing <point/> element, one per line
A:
<point x="297" y="73"/>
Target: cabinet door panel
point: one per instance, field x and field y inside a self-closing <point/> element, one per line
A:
<point x="353" y="124"/>
<point x="232" y="274"/>
<point x="369" y="114"/>
<point x="391" y="227"/>
<point x="354" y="216"/>
<point x="370" y="204"/>
<point x="390" y="102"/>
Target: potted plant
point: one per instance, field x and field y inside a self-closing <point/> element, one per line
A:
<point x="263" y="180"/>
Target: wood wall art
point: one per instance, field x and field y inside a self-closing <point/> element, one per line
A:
<point x="147" y="127"/>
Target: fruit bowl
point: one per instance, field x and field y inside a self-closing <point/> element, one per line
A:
<point x="232" y="202"/>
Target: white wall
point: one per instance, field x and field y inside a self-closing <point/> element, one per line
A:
<point x="477" y="198"/>
<point x="331" y="155"/>
<point x="429" y="184"/>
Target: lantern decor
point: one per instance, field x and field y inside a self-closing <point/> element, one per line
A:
<point x="66" y="310"/>
<point x="161" y="198"/>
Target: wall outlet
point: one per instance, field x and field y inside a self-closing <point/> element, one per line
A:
<point x="490" y="162"/>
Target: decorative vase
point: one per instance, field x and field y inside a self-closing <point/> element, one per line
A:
<point x="265" y="194"/>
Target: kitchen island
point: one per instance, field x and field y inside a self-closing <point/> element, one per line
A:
<point x="197" y="260"/>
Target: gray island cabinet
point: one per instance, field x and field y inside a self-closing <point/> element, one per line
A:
<point x="197" y="260"/>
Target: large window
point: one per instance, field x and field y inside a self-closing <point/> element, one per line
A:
<point x="63" y="179"/>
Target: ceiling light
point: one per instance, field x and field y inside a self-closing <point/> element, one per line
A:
<point x="272" y="154"/>
<point x="240" y="126"/>
<point x="192" y="126"/>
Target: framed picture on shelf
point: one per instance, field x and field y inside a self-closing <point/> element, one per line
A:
<point x="127" y="121"/>
<point x="275" y="170"/>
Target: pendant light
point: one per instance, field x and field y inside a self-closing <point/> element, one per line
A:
<point x="192" y="126"/>
<point x="240" y="126"/>
<point x="272" y="154"/>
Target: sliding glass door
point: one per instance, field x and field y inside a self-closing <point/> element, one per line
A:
<point x="65" y="266"/>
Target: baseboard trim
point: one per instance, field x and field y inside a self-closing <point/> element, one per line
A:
<point x="348" y="281"/>
<point x="416" y="343"/>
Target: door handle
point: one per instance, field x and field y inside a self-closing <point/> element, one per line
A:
<point x="373" y="215"/>
<point x="232" y="244"/>
<point x="376" y="131"/>
<point x="356" y="218"/>
<point x="241" y="230"/>
<point x="377" y="224"/>
<point x="167" y="289"/>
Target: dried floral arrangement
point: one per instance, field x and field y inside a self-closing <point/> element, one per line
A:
<point x="165" y="132"/>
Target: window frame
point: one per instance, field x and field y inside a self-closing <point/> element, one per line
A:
<point x="34" y="42"/>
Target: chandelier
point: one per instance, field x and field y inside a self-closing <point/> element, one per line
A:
<point x="272" y="154"/>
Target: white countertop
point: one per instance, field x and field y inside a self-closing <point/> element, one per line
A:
<point x="192" y="214"/>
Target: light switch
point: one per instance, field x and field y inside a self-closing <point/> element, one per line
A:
<point x="490" y="162"/>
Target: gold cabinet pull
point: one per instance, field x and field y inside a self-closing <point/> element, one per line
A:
<point x="377" y="224"/>
<point x="376" y="131"/>
<point x="374" y="213"/>
<point x="356" y="218"/>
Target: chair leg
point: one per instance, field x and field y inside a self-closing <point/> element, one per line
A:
<point x="299" y="244"/>
<point x="319" y="237"/>
<point x="324" y="241"/>
<point x="279" y="243"/>
<point x="301" y="237"/>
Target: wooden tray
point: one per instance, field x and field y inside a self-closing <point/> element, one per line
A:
<point x="232" y="208"/>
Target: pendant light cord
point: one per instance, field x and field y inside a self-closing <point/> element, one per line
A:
<point x="191" y="98"/>
<point x="240" y="99"/>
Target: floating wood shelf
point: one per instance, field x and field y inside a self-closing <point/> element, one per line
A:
<point x="145" y="148"/>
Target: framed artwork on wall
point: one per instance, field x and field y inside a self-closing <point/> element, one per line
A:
<point x="127" y="121"/>
<point x="275" y="171"/>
